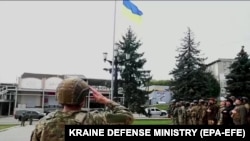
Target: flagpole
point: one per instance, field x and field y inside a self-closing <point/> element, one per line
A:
<point x="113" y="58"/>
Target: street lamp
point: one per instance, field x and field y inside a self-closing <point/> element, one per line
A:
<point x="114" y="85"/>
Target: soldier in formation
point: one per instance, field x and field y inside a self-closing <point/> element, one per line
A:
<point x="230" y="111"/>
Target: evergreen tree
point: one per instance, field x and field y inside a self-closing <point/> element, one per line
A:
<point x="132" y="62"/>
<point x="190" y="76"/>
<point x="238" y="80"/>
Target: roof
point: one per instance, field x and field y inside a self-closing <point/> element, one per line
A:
<point x="158" y="88"/>
<point x="91" y="81"/>
<point x="40" y="76"/>
<point x="219" y="60"/>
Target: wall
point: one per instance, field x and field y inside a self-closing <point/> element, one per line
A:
<point x="51" y="83"/>
<point x="159" y="96"/>
<point x="30" y="83"/>
<point x="30" y="100"/>
<point x="51" y="100"/>
<point x="35" y="83"/>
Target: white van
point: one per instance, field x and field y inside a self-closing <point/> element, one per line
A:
<point x="155" y="111"/>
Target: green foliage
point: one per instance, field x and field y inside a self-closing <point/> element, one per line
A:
<point x="191" y="81"/>
<point x="160" y="82"/>
<point x="132" y="74"/>
<point x="238" y="80"/>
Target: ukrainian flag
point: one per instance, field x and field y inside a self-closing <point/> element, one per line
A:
<point x="132" y="11"/>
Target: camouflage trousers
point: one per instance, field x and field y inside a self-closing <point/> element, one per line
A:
<point x="211" y="122"/>
<point x="175" y="121"/>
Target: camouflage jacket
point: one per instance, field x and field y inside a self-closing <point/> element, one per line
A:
<point x="51" y="127"/>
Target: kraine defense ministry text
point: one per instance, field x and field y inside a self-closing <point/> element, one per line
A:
<point x="155" y="132"/>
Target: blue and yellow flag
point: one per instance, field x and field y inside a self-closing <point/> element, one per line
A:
<point x="132" y="11"/>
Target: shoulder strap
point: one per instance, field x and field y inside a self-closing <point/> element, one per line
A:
<point x="51" y="115"/>
<point x="80" y="116"/>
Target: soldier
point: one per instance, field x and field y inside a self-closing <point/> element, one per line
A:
<point x="226" y="118"/>
<point x="30" y="119"/>
<point x="23" y="118"/>
<point x="239" y="113"/>
<point x="171" y="108"/>
<point x="194" y="113"/>
<point x="71" y="93"/>
<point x="219" y="114"/>
<point x="188" y="113"/>
<point x="212" y="111"/>
<point x="181" y="114"/>
<point x="175" y="113"/>
<point x="189" y="117"/>
<point x="246" y="103"/>
<point x="202" y="112"/>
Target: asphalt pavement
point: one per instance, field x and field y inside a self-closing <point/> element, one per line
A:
<point x="17" y="133"/>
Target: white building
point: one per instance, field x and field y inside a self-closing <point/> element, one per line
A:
<point x="159" y="94"/>
<point x="220" y="68"/>
<point x="37" y="91"/>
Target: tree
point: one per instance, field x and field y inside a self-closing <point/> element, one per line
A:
<point x="132" y="74"/>
<point x="238" y="80"/>
<point x="190" y="79"/>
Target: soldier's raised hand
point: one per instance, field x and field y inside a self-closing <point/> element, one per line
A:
<point x="98" y="96"/>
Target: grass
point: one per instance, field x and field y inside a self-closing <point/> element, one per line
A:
<point x="7" y="126"/>
<point x="152" y="122"/>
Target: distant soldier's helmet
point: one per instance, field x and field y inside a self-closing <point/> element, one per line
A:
<point x="245" y="99"/>
<point x="201" y="101"/>
<point x="195" y="101"/>
<point x="72" y="91"/>
<point x="173" y="101"/>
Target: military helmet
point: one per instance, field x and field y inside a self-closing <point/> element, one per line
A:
<point x="71" y="91"/>
<point x="195" y="101"/>
<point x="201" y="101"/>
<point x="245" y="99"/>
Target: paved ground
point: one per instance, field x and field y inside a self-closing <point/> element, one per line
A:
<point x="17" y="133"/>
<point x="9" y="120"/>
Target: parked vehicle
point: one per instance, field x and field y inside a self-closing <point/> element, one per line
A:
<point x="151" y="111"/>
<point x="33" y="114"/>
<point x="18" y="113"/>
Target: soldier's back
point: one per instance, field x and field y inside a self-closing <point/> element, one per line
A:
<point x="52" y="127"/>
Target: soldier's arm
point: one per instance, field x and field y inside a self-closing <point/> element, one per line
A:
<point x="34" y="136"/>
<point x="36" y="133"/>
<point x="119" y="115"/>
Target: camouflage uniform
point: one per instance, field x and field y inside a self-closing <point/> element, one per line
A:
<point x="181" y="114"/>
<point x="202" y="112"/>
<point x="194" y="113"/>
<point x="175" y="114"/>
<point x="73" y="91"/>
<point x="188" y="111"/>
<point x="212" y="112"/>
<point x="220" y="114"/>
<point x="239" y="113"/>
<point x="246" y="103"/>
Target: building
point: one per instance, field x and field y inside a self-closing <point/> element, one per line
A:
<point x="220" y="68"/>
<point x="159" y="95"/>
<point x="37" y="92"/>
<point x="7" y="98"/>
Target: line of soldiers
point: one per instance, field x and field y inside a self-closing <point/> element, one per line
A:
<point x="231" y="111"/>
